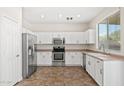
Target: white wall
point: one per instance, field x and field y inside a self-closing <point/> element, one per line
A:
<point x="12" y="12"/>
<point x="56" y="27"/>
<point x="26" y="24"/>
<point x="15" y="14"/>
<point x="104" y="14"/>
<point x="122" y="30"/>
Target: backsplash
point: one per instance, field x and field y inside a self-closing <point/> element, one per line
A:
<point x="69" y="46"/>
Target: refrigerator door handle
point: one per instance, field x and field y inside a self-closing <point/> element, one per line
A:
<point x="17" y="55"/>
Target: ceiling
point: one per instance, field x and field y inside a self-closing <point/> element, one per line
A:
<point x="38" y="15"/>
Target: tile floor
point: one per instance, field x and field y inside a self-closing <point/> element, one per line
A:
<point x="59" y="76"/>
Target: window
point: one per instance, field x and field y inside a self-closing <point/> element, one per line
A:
<point x="103" y="33"/>
<point x="109" y="33"/>
<point x="114" y="32"/>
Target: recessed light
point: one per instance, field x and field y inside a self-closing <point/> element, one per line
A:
<point x="42" y="16"/>
<point x="69" y="18"/>
<point x="78" y="15"/>
<point x="60" y="15"/>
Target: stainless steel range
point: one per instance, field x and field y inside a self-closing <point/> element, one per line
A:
<point x="58" y="58"/>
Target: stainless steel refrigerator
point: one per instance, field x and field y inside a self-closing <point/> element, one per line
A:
<point x="29" y="55"/>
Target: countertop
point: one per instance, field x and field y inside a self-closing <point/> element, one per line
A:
<point x="66" y="50"/>
<point x="105" y="57"/>
<point x="93" y="53"/>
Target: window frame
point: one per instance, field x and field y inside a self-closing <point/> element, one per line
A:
<point x="107" y="19"/>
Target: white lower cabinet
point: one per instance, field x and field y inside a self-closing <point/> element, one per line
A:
<point x="90" y="66"/>
<point x="73" y="58"/>
<point x="44" y="58"/>
<point x="105" y="73"/>
<point x="94" y="67"/>
<point x="98" y="71"/>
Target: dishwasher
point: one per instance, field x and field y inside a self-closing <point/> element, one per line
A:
<point x="84" y="60"/>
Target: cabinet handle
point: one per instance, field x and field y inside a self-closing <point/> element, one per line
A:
<point x="101" y="71"/>
<point x="17" y="55"/>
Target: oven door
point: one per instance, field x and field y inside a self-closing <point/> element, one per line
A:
<point x="58" y="56"/>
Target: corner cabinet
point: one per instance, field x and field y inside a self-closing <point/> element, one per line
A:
<point x="105" y="73"/>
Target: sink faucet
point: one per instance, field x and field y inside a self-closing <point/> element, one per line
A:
<point x="102" y="47"/>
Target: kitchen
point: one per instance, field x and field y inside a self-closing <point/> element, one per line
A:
<point x="65" y="46"/>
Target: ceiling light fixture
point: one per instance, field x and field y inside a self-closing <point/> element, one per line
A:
<point x="60" y="15"/>
<point x="78" y="16"/>
<point x="42" y="16"/>
<point x="69" y="18"/>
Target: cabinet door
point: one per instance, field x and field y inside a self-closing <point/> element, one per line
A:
<point x="86" y="37"/>
<point x="57" y="35"/>
<point x="99" y="72"/>
<point x="78" y="58"/>
<point x="44" y="38"/>
<point x="88" y="64"/>
<point x="73" y="58"/>
<point x="92" y="66"/>
<point x="44" y="58"/>
<point x="70" y="38"/>
<point x="91" y="36"/>
<point x="74" y="38"/>
<point x="68" y="60"/>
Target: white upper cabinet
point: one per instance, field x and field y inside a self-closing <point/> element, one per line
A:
<point x="87" y="37"/>
<point x="44" y="38"/>
<point x="74" y="37"/>
<point x="57" y="35"/>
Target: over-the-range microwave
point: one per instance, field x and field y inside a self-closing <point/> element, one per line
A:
<point x="58" y="41"/>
